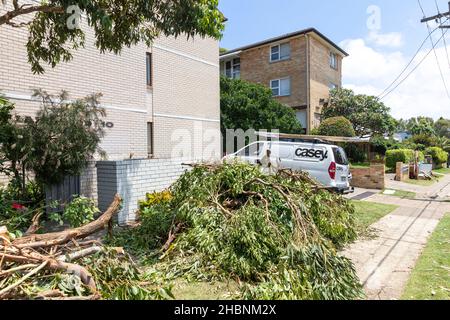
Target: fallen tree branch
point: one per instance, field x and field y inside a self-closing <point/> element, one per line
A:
<point x="23" y="279"/>
<point x="80" y="254"/>
<point x="172" y="236"/>
<point x="63" y="237"/>
<point x="19" y="268"/>
<point x="34" y="225"/>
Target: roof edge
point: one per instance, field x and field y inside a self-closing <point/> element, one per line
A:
<point x="286" y="36"/>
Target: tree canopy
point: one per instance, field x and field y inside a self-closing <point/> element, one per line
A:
<point x="115" y="23"/>
<point x="246" y="105"/>
<point x="336" y="127"/>
<point x="59" y="141"/>
<point x="368" y="114"/>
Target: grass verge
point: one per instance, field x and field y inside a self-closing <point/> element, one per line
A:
<point x="442" y="171"/>
<point x="424" y="183"/>
<point x="430" y="279"/>
<point x="367" y="213"/>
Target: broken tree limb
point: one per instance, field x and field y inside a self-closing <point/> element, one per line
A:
<point x="18" y="283"/>
<point x="172" y="236"/>
<point x="19" y="268"/>
<point x="80" y="254"/>
<point x="34" y="225"/>
<point x="63" y="237"/>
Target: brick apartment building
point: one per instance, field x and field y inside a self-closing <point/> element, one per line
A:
<point x="299" y="67"/>
<point x="156" y="98"/>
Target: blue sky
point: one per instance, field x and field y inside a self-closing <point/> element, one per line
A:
<point x="345" y="21"/>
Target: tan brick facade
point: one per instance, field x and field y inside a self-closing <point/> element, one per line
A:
<point x="308" y="69"/>
<point x="185" y="88"/>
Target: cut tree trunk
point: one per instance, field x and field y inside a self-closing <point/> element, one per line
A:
<point x="63" y="237"/>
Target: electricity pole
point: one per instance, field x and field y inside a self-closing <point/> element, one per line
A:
<point x="438" y="17"/>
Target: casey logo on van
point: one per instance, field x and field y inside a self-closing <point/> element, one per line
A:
<point x="312" y="153"/>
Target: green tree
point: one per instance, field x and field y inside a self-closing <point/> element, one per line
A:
<point x="59" y="141"/>
<point x="116" y="24"/>
<point x="442" y="127"/>
<point x="368" y="114"/>
<point x="336" y="127"/>
<point x="246" y="105"/>
<point x="421" y="126"/>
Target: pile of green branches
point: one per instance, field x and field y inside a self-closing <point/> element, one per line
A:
<point x="276" y="234"/>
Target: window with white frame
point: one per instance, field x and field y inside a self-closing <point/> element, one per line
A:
<point x="333" y="60"/>
<point x="280" y="52"/>
<point x="233" y="68"/>
<point x="281" y="87"/>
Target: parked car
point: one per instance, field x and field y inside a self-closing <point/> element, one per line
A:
<point x="328" y="164"/>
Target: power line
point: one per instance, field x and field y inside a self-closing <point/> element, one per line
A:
<point x="410" y="62"/>
<point x="435" y="53"/>
<point x="415" y="68"/>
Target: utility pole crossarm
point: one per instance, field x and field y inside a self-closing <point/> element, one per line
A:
<point x="438" y="16"/>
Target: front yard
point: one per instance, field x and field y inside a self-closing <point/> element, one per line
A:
<point x="430" y="279"/>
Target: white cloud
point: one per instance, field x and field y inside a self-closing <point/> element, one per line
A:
<point x="370" y="70"/>
<point x="392" y="39"/>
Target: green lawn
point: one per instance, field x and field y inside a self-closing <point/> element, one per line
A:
<point x="184" y="290"/>
<point x="442" y="171"/>
<point x="367" y="213"/>
<point x="424" y="183"/>
<point x="401" y="194"/>
<point x="430" y="279"/>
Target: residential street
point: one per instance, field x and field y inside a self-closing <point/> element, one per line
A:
<point x="384" y="264"/>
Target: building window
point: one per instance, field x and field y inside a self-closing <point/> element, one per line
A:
<point x="333" y="60"/>
<point x="233" y="68"/>
<point x="281" y="87"/>
<point x="149" y="68"/>
<point x="333" y="86"/>
<point x="280" y="52"/>
<point x="150" y="150"/>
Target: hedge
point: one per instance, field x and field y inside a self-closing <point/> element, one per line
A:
<point x="401" y="155"/>
<point x="439" y="155"/>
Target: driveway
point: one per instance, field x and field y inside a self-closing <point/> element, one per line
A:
<point x="384" y="264"/>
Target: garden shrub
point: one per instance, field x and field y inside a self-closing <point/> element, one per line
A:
<point x="337" y="126"/>
<point x="439" y="156"/>
<point x="79" y="212"/>
<point x="401" y="155"/>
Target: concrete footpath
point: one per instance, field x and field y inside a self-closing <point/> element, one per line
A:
<point x="384" y="264"/>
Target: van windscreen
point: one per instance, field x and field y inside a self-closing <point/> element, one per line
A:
<point x="340" y="156"/>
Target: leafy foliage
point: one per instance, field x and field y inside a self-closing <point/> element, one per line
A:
<point x="78" y="212"/>
<point x="421" y="126"/>
<point x="58" y="142"/>
<point x="439" y="155"/>
<point x="271" y="232"/>
<point x="16" y="211"/>
<point x="442" y="127"/>
<point x="120" y="279"/>
<point x="336" y="127"/>
<point x="401" y="155"/>
<point x="246" y="105"/>
<point x="115" y="25"/>
<point x="368" y="115"/>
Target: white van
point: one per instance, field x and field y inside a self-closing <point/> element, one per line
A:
<point x="328" y="164"/>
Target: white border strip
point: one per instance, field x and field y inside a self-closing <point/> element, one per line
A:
<point x="161" y="115"/>
<point x="24" y="97"/>
<point x="182" y="54"/>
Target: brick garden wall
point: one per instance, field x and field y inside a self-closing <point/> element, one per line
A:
<point x="132" y="179"/>
<point x="369" y="178"/>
